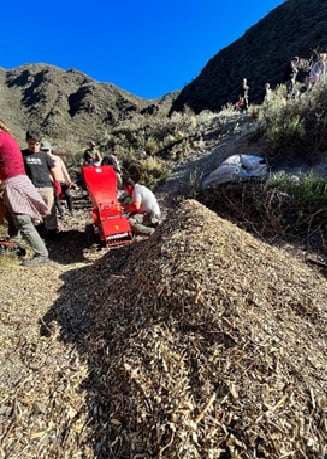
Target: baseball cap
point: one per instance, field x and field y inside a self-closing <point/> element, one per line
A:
<point x="45" y="145"/>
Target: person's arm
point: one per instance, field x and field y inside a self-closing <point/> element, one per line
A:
<point x="54" y="174"/>
<point x="137" y="199"/>
<point x="56" y="183"/>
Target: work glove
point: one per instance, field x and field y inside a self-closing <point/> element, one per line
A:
<point x="57" y="187"/>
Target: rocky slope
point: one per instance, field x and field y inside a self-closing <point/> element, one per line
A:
<point x="68" y="107"/>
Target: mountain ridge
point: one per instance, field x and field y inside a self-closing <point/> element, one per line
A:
<point x="71" y="107"/>
<point x="294" y="28"/>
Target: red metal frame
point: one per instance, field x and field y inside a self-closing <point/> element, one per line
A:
<point x="110" y="224"/>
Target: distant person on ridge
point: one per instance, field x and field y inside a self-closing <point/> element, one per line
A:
<point x="290" y="77"/>
<point x="244" y="95"/>
<point x="267" y="96"/>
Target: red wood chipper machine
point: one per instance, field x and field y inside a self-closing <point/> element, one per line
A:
<point x="110" y="225"/>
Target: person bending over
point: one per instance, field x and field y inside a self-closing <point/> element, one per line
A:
<point x="144" y="210"/>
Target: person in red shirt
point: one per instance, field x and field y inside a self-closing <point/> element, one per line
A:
<point x="21" y="198"/>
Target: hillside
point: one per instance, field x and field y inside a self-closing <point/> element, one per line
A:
<point x="65" y="105"/>
<point x="70" y="108"/>
<point x="262" y="54"/>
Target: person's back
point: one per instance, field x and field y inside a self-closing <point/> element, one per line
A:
<point x="147" y="199"/>
<point x="11" y="158"/>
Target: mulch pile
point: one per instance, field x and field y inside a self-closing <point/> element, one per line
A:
<point x="212" y="345"/>
<point x="200" y="342"/>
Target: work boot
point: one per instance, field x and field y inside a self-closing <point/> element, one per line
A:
<point x="37" y="260"/>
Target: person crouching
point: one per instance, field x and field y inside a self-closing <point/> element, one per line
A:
<point x="144" y="210"/>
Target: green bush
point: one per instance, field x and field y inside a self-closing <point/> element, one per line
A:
<point x="296" y="130"/>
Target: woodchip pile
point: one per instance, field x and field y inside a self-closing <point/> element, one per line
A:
<point x="201" y="342"/>
<point x="212" y="345"/>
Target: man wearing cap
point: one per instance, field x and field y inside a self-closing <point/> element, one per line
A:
<point x="92" y="156"/>
<point x="39" y="167"/>
<point x="63" y="178"/>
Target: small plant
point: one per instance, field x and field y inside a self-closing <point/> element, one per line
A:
<point x="307" y="210"/>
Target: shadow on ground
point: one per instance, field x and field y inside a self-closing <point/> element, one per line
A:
<point x="83" y="290"/>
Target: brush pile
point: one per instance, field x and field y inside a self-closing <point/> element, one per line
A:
<point x="210" y="344"/>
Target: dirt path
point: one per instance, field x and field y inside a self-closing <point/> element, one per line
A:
<point x="187" y="176"/>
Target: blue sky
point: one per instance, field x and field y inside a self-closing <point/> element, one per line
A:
<point x="145" y="47"/>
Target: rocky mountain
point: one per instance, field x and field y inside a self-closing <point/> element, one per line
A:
<point x="66" y="105"/>
<point x="295" y="28"/>
<point x="70" y="108"/>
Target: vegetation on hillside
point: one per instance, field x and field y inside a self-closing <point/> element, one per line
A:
<point x="262" y="54"/>
<point x="293" y="131"/>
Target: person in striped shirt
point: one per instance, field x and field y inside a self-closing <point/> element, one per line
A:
<point x="21" y="197"/>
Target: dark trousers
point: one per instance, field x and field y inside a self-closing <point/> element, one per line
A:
<point x="65" y="191"/>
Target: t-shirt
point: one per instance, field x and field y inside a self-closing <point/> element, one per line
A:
<point x="11" y="159"/>
<point x="37" y="166"/>
<point x="146" y="197"/>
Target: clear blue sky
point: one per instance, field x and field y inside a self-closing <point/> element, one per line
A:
<point x="147" y="47"/>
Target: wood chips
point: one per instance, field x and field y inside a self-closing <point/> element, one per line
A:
<point x="200" y="342"/>
<point x="215" y="347"/>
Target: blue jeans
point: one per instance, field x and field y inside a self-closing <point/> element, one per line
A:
<point x="24" y="224"/>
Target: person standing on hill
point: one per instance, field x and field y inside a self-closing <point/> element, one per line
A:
<point x="318" y="70"/>
<point x="21" y="198"/>
<point x="64" y="180"/>
<point x="267" y="97"/>
<point x="290" y="77"/>
<point x="39" y="167"/>
<point x="244" y="95"/>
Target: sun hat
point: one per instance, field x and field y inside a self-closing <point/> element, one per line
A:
<point x="45" y="145"/>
